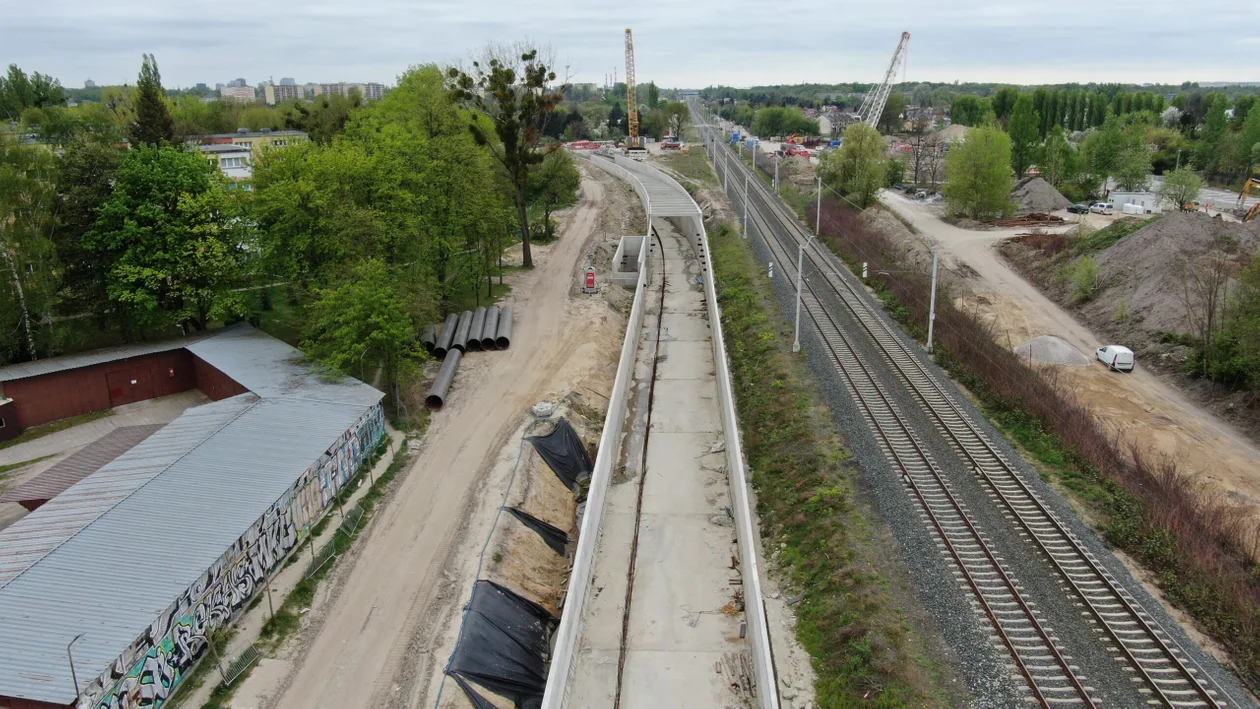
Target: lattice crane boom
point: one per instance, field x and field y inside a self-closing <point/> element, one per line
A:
<point x="873" y="105"/>
<point x="632" y="99"/>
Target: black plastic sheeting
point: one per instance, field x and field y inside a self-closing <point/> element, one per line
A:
<point x="478" y="701"/>
<point x="554" y="536"/>
<point x="504" y="646"/>
<point x="564" y="452"/>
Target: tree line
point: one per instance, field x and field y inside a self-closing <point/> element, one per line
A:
<point x="371" y="233"/>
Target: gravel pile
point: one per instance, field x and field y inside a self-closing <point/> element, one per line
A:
<point x="1033" y="194"/>
<point x="1144" y="269"/>
<point x="1051" y="350"/>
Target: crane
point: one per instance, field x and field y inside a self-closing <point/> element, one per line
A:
<point x="873" y="105"/>
<point x="633" y="142"/>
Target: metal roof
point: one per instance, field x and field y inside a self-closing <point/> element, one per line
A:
<point x="85" y="359"/>
<point x="223" y="148"/>
<point x="114" y="551"/>
<point x="79" y="465"/>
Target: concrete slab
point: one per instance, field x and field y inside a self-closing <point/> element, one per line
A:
<point x="660" y="679"/>
<point x="683" y="477"/>
<point x="685" y="359"/>
<point x="686" y="406"/>
<point x="685" y="326"/>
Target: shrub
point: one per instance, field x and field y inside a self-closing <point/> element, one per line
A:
<point x="1085" y="279"/>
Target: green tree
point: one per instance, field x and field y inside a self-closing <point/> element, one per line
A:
<point x="516" y="94"/>
<point x="364" y="316"/>
<point x="173" y="239"/>
<point x="1004" y="103"/>
<point x="653" y="96"/>
<point x="859" y="169"/>
<point x="1208" y="156"/>
<point x="1058" y="160"/>
<point x="153" y="125"/>
<point x="677" y="115"/>
<point x="554" y="185"/>
<point x="1023" y="129"/>
<point x="967" y="110"/>
<point x="85" y="179"/>
<point x="28" y="266"/>
<point x="1181" y="187"/>
<point x="891" y="119"/>
<point x="1249" y="141"/>
<point x="979" y="173"/>
<point x="1133" y="161"/>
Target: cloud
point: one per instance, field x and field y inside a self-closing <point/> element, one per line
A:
<point x="677" y="44"/>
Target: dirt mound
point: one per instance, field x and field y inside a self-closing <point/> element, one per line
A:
<point x="1052" y="350"/>
<point x="1141" y="276"/>
<point x="1033" y="194"/>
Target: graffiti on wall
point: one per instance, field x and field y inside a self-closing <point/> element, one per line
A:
<point x="155" y="663"/>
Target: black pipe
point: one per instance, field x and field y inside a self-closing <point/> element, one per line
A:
<point x="430" y="338"/>
<point x="474" y="332"/>
<point x="503" y="337"/>
<point x="461" y="332"/>
<point x="444" y="340"/>
<point x="491" y="327"/>
<point x="442" y="385"/>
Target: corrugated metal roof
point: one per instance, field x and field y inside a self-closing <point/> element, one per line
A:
<point x="116" y="549"/>
<point x="23" y="370"/>
<point x="117" y="575"/>
<point x="79" y="465"/>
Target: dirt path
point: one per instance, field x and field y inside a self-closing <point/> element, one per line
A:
<point x="370" y="643"/>
<point x="1150" y="411"/>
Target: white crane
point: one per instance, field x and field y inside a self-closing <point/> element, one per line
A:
<point x="873" y="105"/>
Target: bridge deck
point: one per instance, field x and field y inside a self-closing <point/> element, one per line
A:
<point x="682" y="640"/>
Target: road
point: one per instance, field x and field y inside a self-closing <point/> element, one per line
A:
<point x="379" y="633"/>
<point x="1152" y="411"/>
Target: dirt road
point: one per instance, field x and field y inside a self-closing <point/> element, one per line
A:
<point x="1150" y="411"/>
<point x="373" y="641"/>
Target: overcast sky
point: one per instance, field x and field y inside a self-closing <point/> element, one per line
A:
<point x="678" y="44"/>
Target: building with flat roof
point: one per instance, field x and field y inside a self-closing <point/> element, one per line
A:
<point x="239" y="94"/>
<point x="144" y="559"/>
<point x="234" y="161"/>
<point x="273" y="94"/>
<point x="255" y="140"/>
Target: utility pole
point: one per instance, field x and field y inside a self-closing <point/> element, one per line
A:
<point x="746" y="205"/>
<point x="932" y="307"/>
<point x="818" y="209"/>
<point x="776" y="177"/>
<point x="800" y="267"/>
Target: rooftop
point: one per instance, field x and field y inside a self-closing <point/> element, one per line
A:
<point x="222" y="148"/>
<point x="256" y="134"/>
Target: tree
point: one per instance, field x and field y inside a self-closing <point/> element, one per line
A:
<point x="859" y="169"/>
<point x="1004" y="103"/>
<point x="890" y="119"/>
<point x="85" y="179"/>
<point x="677" y="115"/>
<point x="1205" y="281"/>
<point x="1133" y="161"/>
<point x="1208" y="155"/>
<point x="1181" y="187"/>
<point x="967" y="110"/>
<point x="363" y="317"/>
<point x="553" y="185"/>
<point x="1058" y="161"/>
<point x="153" y="125"/>
<point x="173" y="239"/>
<point x="28" y="214"/>
<point x="516" y="95"/>
<point x="653" y="96"/>
<point x="979" y="172"/>
<point x="1024" y="135"/>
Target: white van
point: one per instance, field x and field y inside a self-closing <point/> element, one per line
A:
<point x="1102" y="208"/>
<point x="1117" y="357"/>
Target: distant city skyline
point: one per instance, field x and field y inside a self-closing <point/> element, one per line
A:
<point x="701" y="44"/>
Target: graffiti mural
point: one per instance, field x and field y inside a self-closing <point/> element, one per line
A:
<point x="150" y="669"/>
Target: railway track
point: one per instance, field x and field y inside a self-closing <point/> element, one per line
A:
<point x="1139" y="644"/>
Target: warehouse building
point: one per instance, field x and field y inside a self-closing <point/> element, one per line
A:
<point x="139" y="562"/>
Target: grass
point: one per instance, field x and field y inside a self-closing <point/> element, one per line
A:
<point x="14" y="466"/>
<point x="693" y="165"/>
<point x="1107" y="236"/>
<point x="468" y="299"/>
<point x="804" y="481"/>
<point x="44" y="429"/>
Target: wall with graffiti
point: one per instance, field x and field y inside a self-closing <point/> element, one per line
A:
<point x="148" y="672"/>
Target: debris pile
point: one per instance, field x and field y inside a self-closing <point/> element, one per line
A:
<point x="1033" y="194"/>
<point x="1031" y="219"/>
<point x="1051" y="350"/>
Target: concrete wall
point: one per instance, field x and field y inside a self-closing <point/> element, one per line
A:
<point x="148" y="672"/>
<point x="78" y="391"/>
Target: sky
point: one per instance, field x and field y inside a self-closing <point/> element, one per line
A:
<point x="683" y="45"/>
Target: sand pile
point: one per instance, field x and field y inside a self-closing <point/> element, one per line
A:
<point x="954" y="133"/>
<point x="1051" y="350"/>
<point x="1144" y="270"/>
<point x="1033" y="194"/>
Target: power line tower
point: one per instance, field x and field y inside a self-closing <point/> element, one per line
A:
<point x="632" y="100"/>
<point x="873" y="105"/>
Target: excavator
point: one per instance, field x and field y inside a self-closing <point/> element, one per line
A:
<point x="1254" y="182"/>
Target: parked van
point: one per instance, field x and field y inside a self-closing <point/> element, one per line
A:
<point x="1101" y="208"/>
<point x="1117" y="357"/>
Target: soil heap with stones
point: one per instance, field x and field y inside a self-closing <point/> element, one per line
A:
<point x="1033" y="194"/>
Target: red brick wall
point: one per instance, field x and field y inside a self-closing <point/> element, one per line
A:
<point x="14" y="703"/>
<point x="212" y="382"/>
<point x="79" y="391"/>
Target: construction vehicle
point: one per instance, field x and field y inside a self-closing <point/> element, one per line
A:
<point x="1253" y="182"/>
<point x="671" y="142"/>
<point x="634" y="142"/>
<point x="873" y="104"/>
<point x="794" y="138"/>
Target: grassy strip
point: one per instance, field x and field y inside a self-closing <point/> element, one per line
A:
<point x="694" y="165"/>
<point x="14" y="466"/>
<point x="287" y="618"/>
<point x="42" y="430"/>
<point x="806" y="502"/>
<point x="1201" y="550"/>
<point x="1110" y="234"/>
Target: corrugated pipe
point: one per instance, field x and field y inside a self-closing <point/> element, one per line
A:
<point x="447" y="337"/>
<point x="490" y="329"/>
<point x="461" y="333"/>
<point x="442" y="385"/>
<point x="474" y="332"/>
<point x="430" y="338"/>
<point x="503" y="337"/>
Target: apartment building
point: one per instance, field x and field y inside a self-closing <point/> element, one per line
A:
<point x="273" y="94"/>
<point x="239" y="94"/>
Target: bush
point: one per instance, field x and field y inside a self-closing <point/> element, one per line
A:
<point x="1085" y="279"/>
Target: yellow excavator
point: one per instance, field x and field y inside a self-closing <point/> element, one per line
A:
<point x="1242" y="198"/>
